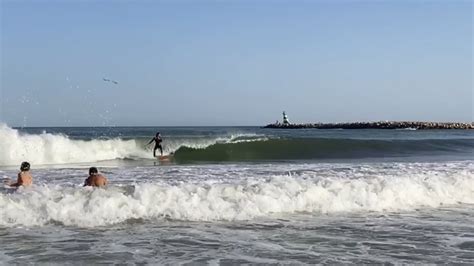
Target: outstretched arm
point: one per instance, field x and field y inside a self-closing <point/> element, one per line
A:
<point x="151" y="141"/>
<point x="18" y="183"/>
<point x="7" y="181"/>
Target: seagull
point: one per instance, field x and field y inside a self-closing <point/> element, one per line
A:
<point x="109" y="80"/>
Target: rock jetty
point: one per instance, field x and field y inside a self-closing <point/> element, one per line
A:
<point x="379" y="125"/>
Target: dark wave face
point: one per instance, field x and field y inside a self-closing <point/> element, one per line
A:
<point x="321" y="148"/>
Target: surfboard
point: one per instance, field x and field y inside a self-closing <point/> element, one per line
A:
<point x="165" y="158"/>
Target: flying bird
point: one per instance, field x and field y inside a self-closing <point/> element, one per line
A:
<point x="109" y="80"/>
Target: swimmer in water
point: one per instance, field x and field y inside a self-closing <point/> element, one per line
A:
<point x="24" y="177"/>
<point x="95" y="179"/>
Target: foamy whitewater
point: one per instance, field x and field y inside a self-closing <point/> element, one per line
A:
<point x="230" y="196"/>
<point x="235" y="193"/>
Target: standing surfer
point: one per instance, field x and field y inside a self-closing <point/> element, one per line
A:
<point x="157" y="139"/>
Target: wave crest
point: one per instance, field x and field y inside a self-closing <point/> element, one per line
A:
<point x="49" y="148"/>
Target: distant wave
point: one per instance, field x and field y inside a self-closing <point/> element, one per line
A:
<point x="240" y="200"/>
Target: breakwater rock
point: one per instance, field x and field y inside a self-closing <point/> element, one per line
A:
<point x="378" y="125"/>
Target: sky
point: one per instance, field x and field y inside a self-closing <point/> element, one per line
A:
<point x="234" y="63"/>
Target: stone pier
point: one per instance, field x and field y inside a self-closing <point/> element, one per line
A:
<point x="379" y="125"/>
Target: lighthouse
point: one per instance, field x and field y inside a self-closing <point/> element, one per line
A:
<point x="285" y="119"/>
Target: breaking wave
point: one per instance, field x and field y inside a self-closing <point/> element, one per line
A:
<point x="230" y="201"/>
<point x="49" y="148"/>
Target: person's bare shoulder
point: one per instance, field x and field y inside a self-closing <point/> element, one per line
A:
<point x="25" y="178"/>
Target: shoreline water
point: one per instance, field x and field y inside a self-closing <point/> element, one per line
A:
<point x="415" y="125"/>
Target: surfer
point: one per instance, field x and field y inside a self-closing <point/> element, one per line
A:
<point x="157" y="139"/>
<point x="95" y="179"/>
<point x="24" y="176"/>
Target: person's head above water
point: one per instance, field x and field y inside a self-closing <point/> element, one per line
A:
<point x="93" y="170"/>
<point x="25" y="166"/>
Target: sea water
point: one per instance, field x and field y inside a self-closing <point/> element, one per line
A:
<point x="239" y="195"/>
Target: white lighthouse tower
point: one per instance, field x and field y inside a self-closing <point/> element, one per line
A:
<point x="285" y="119"/>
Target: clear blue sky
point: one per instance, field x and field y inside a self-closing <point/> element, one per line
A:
<point x="234" y="62"/>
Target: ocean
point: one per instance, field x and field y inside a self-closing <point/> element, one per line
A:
<point x="234" y="195"/>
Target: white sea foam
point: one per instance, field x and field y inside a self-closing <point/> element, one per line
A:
<point x="48" y="148"/>
<point x="240" y="200"/>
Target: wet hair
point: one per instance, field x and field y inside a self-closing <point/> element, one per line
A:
<point x="25" y="166"/>
<point x="93" y="170"/>
<point x="157" y="133"/>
